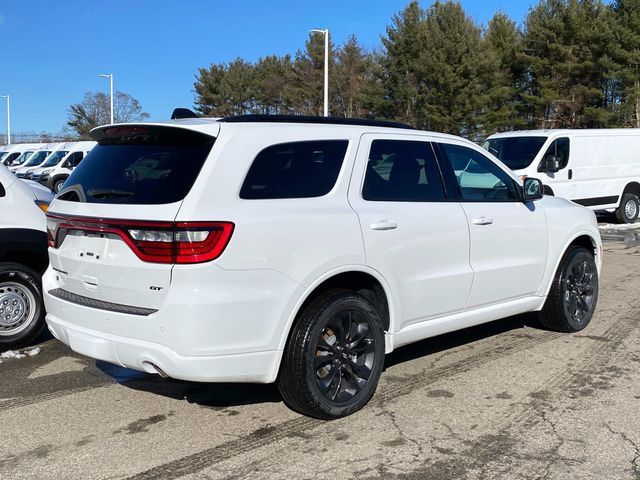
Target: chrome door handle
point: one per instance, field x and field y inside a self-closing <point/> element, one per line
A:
<point x="482" y="221"/>
<point x="384" y="225"/>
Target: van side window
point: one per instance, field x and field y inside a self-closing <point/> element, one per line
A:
<point x="74" y="159"/>
<point x="559" y="149"/>
<point x="2" y="191"/>
<point x="479" y="179"/>
<point x="402" y="171"/>
<point x="295" y="170"/>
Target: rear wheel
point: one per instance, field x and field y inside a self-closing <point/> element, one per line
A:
<point x="21" y="307"/>
<point x="334" y="358"/>
<point x="574" y="293"/>
<point x="629" y="209"/>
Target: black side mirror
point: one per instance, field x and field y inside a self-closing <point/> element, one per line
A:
<point x="532" y="189"/>
<point x="550" y="164"/>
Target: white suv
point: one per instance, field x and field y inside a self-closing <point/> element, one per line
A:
<point x="301" y="250"/>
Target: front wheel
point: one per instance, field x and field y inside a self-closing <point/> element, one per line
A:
<point x="21" y="306"/>
<point x="334" y="358"/>
<point x="574" y="293"/>
<point x="629" y="208"/>
<point x="57" y="185"/>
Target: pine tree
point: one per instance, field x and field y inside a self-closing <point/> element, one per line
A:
<point x="349" y="78"/>
<point x="627" y="58"/>
<point x="505" y="75"/>
<point x="400" y="64"/>
<point x="452" y="72"/>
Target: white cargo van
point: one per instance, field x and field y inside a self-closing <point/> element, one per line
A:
<point x="37" y="159"/>
<point x="599" y="169"/>
<point x="18" y="153"/>
<point x="55" y="178"/>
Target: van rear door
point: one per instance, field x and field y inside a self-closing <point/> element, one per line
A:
<point x="111" y="229"/>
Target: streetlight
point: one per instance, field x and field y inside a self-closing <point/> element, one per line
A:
<point x="8" y="119"/>
<point x="325" y="32"/>
<point x="110" y="77"/>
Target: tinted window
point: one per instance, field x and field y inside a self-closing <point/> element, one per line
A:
<point x="402" y="171"/>
<point x="139" y="165"/>
<point x="559" y="149"/>
<point x="295" y="170"/>
<point x="515" y="152"/>
<point x="74" y="159"/>
<point x="2" y="191"/>
<point x="479" y="179"/>
<point x="10" y="158"/>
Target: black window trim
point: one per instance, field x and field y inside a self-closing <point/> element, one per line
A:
<point x="304" y="140"/>
<point x="453" y="183"/>
<point x="449" y="194"/>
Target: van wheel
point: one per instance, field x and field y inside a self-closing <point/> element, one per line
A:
<point x="334" y="358"/>
<point x="574" y="293"/>
<point x="21" y="306"/>
<point x="629" y="209"/>
<point x="57" y="185"/>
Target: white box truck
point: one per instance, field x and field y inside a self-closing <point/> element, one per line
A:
<point x="599" y="169"/>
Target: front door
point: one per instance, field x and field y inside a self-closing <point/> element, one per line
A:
<point x="508" y="237"/>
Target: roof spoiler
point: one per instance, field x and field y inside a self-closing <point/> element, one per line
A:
<point x="183" y="113"/>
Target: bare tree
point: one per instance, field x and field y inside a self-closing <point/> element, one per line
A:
<point x="94" y="110"/>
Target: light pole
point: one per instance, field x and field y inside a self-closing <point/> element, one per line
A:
<point x="110" y="77"/>
<point x="326" y="67"/>
<point x="8" y="119"/>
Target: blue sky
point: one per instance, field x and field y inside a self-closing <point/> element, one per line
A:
<point x="52" y="51"/>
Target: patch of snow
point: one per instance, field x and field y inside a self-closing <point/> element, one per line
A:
<point x="17" y="354"/>
<point x="12" y="354"/>
<point x="619" y="226"/>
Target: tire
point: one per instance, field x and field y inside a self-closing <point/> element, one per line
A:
<point x="345" y="382"/>
<point x="57" y="185"/>
<point x="574" y="293"/>
<point x="629" y="208"/>
<point x="21" y="306"/>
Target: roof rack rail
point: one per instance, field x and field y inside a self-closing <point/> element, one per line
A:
<point x="258" y="118"/>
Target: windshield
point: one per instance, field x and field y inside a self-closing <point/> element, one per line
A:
<point x="515" y="152"/>
<point x="24" y="156"/>
<point x="3" y="154"/>
<point x="55" y="158"/>
<point x="37" y="158"/>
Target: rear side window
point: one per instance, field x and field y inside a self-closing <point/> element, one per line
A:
<point x="295" y="170"/>
<point x="402" y="171"/>
<point x="139" y="165"/>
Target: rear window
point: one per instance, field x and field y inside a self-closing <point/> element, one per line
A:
<point x="295" y="170"/>
<point x="139" y="165"/>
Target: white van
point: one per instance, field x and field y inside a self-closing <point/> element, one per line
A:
<point x="55" y="158"/>
<point x="599" y="169"/>
<point x="18" y="153"/>
<point x="55" y="177"/>
<point x="37" y="159"/>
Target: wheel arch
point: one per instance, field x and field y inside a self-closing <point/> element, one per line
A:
<point x="359" y="278"/>
<point x="581" y="239"/>
<point x="631" y="187"/>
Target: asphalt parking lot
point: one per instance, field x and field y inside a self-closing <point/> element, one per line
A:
<point x="504" y="400"/>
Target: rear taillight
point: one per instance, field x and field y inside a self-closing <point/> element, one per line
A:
<point x="155" y="242"/>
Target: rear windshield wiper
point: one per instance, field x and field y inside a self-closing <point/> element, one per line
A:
<point x="106" y="193"/>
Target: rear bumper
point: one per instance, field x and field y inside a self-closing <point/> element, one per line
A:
<point x="257" y="367"/>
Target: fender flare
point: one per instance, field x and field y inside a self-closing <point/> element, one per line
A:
<point x="597" y="253"/>
<point x="393" y="313"/>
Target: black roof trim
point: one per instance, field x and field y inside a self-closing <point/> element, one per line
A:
<point x="313" y="119"/>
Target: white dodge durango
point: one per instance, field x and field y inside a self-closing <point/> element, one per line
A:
<point x="302" y="250"/>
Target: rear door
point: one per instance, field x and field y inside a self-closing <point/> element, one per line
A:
<point x="414" y="234"/>
<point x="126" y="193"/>
<point x="508" y="237"/>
